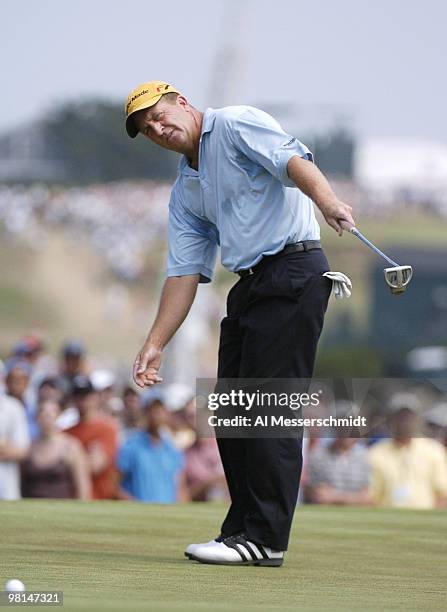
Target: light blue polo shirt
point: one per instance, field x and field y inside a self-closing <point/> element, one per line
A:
<point x="240" y="199"/>
<point x="150" y="469"/>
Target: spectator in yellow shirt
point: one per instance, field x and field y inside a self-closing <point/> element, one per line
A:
<point x="408" y="472"/>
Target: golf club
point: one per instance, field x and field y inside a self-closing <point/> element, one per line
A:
<point x="397" y="277"/>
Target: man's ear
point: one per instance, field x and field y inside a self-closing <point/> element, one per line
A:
<point x="183" y="102"/>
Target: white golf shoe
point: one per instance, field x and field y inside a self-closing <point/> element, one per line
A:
<point x="190" y="550"/>
<point x="236" y="550"/>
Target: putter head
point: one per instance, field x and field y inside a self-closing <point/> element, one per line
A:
<point x="397" y="278"/>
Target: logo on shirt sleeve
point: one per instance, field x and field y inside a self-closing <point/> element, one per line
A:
<point x="291" y="141"/>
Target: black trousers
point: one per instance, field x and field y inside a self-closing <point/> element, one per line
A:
<point x="274" y="319"/>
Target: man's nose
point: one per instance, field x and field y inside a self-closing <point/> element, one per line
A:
<point x="157" y="129"/>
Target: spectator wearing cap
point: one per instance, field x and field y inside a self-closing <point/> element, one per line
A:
<point x="73" y="361"/>
<point x="32" y="349"/>
<point x="132" y="413"/>
<point x="18" y="374"/>
<point x="339" y="472"/>
<point x="56" y="466"/>
<point x="98" y="438"/>
<point x="29" y="348"/>
<point x="14" y="443"/>
<point x="407" y="471"/>
<point x="50" y="388"/>
<point x="22" y="349"/>
<point x="150" y="465"/>
<point x="179" y="399"/>
<point x="110" y="404"/>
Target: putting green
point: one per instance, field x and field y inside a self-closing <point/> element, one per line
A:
<point x="129" y="556"/>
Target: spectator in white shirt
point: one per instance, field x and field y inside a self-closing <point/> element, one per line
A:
<point x="14" y="444"/>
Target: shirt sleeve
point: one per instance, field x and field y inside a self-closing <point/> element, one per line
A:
<point x="439" y="471"/>
<point x="260" y="137"/>
<point x="20" y="437"/>
<point x="192" y="244"/>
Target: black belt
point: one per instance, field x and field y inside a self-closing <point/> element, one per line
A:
<point x="297" y="247"/>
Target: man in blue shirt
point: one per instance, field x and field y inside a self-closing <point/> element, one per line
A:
<point x="247" y="186"/>
<point x="149" y="462"/>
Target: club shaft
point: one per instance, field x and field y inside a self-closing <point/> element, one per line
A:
<point x="372" y="246"/>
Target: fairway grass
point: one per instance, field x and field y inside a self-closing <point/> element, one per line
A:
<point x="129" y="556"/>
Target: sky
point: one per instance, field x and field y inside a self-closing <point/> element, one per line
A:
<point x="376" y="66"/>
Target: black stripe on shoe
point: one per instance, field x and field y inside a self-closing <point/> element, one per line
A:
<point x="232" y="542"/>
<point x="262" y="551"/>
<point x="242" y="541"/>
<point x="266" y="558"/>
<point x="249" y="546"/>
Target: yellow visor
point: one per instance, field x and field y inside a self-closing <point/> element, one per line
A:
<point x="144" y="96"/>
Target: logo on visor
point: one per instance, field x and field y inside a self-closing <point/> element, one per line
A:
<point x="133" y="98"/>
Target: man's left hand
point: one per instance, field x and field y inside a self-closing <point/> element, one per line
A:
<point x="338" y="215"/>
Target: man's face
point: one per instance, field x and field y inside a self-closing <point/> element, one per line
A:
<point x="73" y="363"/>
<point x="132" y="405"/>
<point x="47" y="414"/>
<point x="156" y="416"/>
<point x="85" y="402"/>
<point x="170" y="125"/>
<point x="403" y="424"/>
<point x="49" y="392"/>
<point x="17" y="382"/>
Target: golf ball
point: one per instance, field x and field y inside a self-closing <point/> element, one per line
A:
<point x="14" y="586"/>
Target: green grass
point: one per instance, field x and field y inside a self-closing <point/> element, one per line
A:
<point x="128" y="556"/>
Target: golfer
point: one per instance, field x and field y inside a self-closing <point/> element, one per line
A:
<point x="247" y="186"/>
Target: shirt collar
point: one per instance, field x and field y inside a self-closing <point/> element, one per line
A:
<point x="209" y="117"/>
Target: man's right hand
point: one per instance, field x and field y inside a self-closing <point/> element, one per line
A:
<point x="146" y="366"/>
<point x="175" y="302"/>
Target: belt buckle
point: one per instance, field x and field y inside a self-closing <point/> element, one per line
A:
<point x="246" y="272"/>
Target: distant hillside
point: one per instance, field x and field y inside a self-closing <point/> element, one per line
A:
<point x="82" y="143"/>
<point x="65" y="289"/>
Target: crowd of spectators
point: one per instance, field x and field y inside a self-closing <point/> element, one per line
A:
<point x="122" y="220"/>
<point x="69" y="432"/>
<point x="397" y="468"/>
